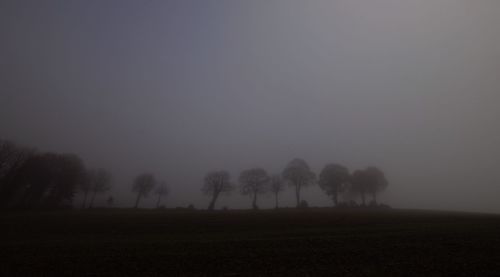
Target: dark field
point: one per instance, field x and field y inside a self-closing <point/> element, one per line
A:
<point x="314" y="242"/>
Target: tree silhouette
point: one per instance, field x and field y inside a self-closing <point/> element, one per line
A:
<point x="12" y="160"/>
<point x="253" y="182"/>
<point x="298" y="174"/>
<point x="333" y="179"/>
<point x="161" y="190"/>
<point x="143" y="184"/>
<point x="277" y="186"/>
<point x="359" y="185"/>
<point x="100" y="182"/>
<point x="376" y="181"/>
<point x="214" y="183"/>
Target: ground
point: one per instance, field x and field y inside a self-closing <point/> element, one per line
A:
<point x="313" y="242"/>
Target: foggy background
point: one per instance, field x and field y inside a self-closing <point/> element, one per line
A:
<point x="179" y="88"/>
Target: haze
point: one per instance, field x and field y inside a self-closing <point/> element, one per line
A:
<point x="179" y="88"/>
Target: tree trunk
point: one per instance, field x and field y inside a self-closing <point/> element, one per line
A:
<point x="297" y="194"/>
<point x="85" y="199"/>
<point x="335" y="198"/>
<point x="276" y="199"/>
<point x="92" y="200"/>
<point x="363" y="198"/>
<point x="158" y="202"/>
<point x="254" y="202"/>
<point x="375" y="197"/>
<point x="212" y="203"/>
<point x="137" y="200"/>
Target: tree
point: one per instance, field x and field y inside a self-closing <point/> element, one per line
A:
<point x="215" y="183"/>
<point x="333" y="179"/>
<point x="161" y="191"/>
<point x="110" y="201"/>
<point x="359" y="185"/>
<point x="277" y="186"/>
<point x="143" y="184"/>
<point x="100" y="182"/>
<point x="253" y="182"/>
<point x="85" y="186"/>
<point x="376" y="181"/>
<point x="298" y="175"/>
<point x="12" y="159"/>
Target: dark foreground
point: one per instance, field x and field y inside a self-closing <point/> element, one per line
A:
<point x="315" y="242"/>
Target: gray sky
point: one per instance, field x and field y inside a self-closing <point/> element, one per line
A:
<point x="179" y="88"/>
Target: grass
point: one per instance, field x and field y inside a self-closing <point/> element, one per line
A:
<point x="314" y="242"/>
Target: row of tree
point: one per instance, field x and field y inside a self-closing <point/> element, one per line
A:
<point x="33" y="179"/>
<point x="334" y="179"/>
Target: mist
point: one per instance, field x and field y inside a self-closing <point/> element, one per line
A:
<point x="180" y="88"/>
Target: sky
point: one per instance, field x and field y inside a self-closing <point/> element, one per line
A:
<point x="180" y="88"/>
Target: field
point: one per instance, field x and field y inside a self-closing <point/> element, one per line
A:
<point x="313" y="242"/>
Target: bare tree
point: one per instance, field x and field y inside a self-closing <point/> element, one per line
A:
<point x="277" y="186"/>
<point x="334" y="179"/>
<point x="100" y="182"/>
<point x="143" y="184"/>
<point x="253" y="182"/>
<point x="161" y="190"/>
<point x="376" y="181"/>
<point x="298" y="174"/>
<point x="214" y="183"/>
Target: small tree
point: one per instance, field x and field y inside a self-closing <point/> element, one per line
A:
<point x="253" y="182"/>
<point x="376" y="181"/>
<point x="143" y="184"/>
<point x="100" y="182"/>
<point x="333" y="179"/>
<point x="214" y="183"/>
<point x="161" y="190"/>
<point x="277" y="186"/>
<point x="298" y="175"/>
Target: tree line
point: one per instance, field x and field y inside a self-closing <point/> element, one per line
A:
<point x="334" y="180"/>
<point x="33" y="179"/>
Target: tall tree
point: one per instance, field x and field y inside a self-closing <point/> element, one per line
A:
<point x="253" y="182"/>
<point x="161" y="190"/>
<point x="376" y="181"/>
<point x="298" y="175"/>
<point x="143" y="184"/>
<point x="100" y="180"/>
<point x="215" y="183"/>
<point x="277" y="186"/>
<point x="333" y="179"/>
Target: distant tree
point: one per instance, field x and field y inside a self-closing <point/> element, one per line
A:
<point x="69" y="171"/>
<point x="100" y="182"/>
<point x="298" y="174"/>
<point x="12" y="159"/>
<point x="359" y="185"/>
<point x="253" y="182"/>
<point x="215" y="183"/>
<point x="85" y="186"/>
<point x="110" y="201"/>
<point x="334" y="179"/>
<point x="277" y="186"/>
<point x="49" y="179"/>
<point x="143" y="184"/>
<point x="376" y="181"/>
<point x="161" y="190"/>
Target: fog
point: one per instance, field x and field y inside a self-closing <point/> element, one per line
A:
<point x="180" y="88"/>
